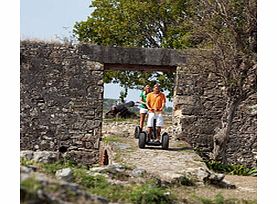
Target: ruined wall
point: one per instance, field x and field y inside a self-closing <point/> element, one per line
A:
<point x="198" y="107"/>
<point x="61" y="97"/>
<point x="61" y="93"/>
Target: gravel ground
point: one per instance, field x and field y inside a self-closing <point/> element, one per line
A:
<point x="246" y="185"/>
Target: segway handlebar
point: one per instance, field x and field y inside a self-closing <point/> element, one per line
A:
<point x="155" y="111"/>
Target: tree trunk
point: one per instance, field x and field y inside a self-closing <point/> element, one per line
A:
<point x="222" y="136"/>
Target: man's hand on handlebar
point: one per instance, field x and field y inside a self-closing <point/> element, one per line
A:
<point x="155" y="110"/>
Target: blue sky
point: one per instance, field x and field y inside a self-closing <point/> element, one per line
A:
<point x="44" y="19"/>
<point x="54" y="19"/>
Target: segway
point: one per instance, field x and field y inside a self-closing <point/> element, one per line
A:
<point x="137" y="131"/>
<point x="137" y="128"/>
<point x="143" y="139"/>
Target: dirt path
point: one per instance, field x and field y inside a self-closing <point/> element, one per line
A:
<point x="170" y="164"/>
<point x="165" y="164"/>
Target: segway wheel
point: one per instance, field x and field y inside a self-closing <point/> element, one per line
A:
<point x="142" y="139"/>
<point x="137" y="132"/>
<point x="165" y="141"/>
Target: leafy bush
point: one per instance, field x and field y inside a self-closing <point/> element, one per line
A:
<point x="186" y="181"/>
<point x="234" y="169"/>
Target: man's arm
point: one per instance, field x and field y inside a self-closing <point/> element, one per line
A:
<point x="163" y="103"/>
<point x="148" y="102"/>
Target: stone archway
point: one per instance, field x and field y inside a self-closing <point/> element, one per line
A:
<point x="131" y="59"/>
<point x="62" y="92"/>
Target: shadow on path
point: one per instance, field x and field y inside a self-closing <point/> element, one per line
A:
<point x="177" y="149"/>
<point x="180" y="148"/>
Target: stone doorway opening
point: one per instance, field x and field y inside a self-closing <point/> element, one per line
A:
<point x="149" y="75"/>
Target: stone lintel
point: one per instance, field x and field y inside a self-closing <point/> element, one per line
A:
<point x="134" y="67"/>
<point x="133" y="56"/>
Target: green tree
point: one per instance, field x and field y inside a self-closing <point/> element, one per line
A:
<point x="137" y="80"/>
<point x="137" y="23"/>
<point x="150" y="24"/>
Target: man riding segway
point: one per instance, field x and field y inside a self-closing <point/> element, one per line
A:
<point x="155" y="103"/>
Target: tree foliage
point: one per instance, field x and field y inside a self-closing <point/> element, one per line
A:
<point x="150" y="24"/>
<point x="136" y="23"/>
<point x="137" y="80"/>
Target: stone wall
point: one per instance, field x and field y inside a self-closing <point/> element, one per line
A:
<point x="61" y="97"/>
<point x="61" y="93"/>
<point x="198" y="106"/>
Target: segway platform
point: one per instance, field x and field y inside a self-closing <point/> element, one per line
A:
<point x="142" y="141"/>
<point x="153" y="143"/>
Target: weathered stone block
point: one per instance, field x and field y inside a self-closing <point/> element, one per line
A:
<point x="58" y="89"/>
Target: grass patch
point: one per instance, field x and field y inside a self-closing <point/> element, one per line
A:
<point x="28" y="189"/>
<point x="50" y="168"/>
<point x="233" y="169"/>
<point x="98" y="185"/>
<point x="219" y="199"/>
<point x="82" y="177"/>
<point x="30" y="184"/>
<point x="109" y="139"/>
<point x="186" y="181"/>
<point x="26" y="162"/>
<point x="149" y="194"/>
<point x="114" y="193"/>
